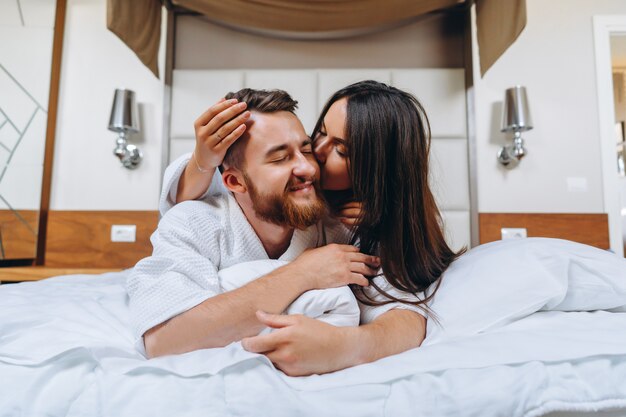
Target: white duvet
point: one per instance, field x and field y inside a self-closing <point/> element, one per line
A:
<point x="525" y="328"/>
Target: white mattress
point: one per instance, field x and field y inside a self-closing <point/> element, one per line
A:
<point x="66" y="350"/>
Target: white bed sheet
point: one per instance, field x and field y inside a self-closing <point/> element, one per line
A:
<point x="66" y="350"/>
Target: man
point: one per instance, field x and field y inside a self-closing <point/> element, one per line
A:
<point x="268" y="167"/>
<point x="176" y="300"/>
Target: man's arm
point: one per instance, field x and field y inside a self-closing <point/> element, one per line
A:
<point x="228" y="317"/>
<point x="305" y="346"/>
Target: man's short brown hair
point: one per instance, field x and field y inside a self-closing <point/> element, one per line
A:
<point x="262" y="101"/>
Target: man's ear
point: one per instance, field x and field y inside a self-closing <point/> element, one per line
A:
<point x="233" y="180"/>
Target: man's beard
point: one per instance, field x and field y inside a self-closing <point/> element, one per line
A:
<point x="280" y="208"/>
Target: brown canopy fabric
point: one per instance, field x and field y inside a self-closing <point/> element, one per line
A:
<point x="313" y="15"/>
<point x="138" y="22"/>
<point x="499" y="23"/>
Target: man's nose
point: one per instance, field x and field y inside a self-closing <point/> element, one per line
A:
<point x="321" y="149"/>
<point x="305" y="167"/>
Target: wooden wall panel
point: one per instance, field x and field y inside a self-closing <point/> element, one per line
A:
<point x="17" y="239"/>
<point x="82" y="239"/>
<point x="590" y="229"/>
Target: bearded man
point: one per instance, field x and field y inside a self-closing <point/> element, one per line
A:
<point x="273" y="209"/>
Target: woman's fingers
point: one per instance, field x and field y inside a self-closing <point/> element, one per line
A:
<point x="213" y="111"/>
<point x="351" y="204"/>
<point x="353" y="213"/>
<point x="224" y="131"/>
<point x="224" y="117"/>
<point x="349" y="213"/>
<point x="261" y="344"/>
<point x="348" y="221"/>
<point x="231" y="138"/>
<point x="276" y="321"/>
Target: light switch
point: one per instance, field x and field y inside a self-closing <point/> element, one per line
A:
<point x="513" y="233"/>
<point x="123" y="233"/>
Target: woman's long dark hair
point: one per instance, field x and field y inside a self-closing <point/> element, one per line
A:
<point x="388" y="140"/>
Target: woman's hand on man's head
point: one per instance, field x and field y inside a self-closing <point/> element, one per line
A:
<point x="216" y="129"/>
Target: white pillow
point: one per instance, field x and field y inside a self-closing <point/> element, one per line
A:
<point x="500" y="282"/>
<point x="336" y="306"/>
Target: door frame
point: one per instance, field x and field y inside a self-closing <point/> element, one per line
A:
<point x="603" y="28"/>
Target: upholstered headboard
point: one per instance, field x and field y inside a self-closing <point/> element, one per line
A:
<point x="441" y="91"/>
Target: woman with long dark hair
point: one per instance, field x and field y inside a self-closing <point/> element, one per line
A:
<point x="372" y="142"/>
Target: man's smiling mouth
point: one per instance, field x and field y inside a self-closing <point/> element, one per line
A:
<point x="302" y="187"/>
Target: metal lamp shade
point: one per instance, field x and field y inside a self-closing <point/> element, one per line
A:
<point x="516" y="114"/>
<point x="124" y="112"/>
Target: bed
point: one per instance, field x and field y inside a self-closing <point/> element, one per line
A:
<point x="526" y="328"/>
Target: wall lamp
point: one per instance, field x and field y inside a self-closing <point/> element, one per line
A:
<point x="124" y="120"/>
<point x="515" y="118"/>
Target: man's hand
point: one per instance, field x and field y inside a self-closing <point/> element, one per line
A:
<point x="349" y="213"/>
<point x="335" y="266"/>
<point x="302" y="345"/>
<point x="216" y="129"/>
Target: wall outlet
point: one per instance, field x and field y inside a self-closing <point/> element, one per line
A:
<point x="513" y="233"/>
<point x="123" y="233"/>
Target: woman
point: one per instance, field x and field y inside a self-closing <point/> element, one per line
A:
<point x="372" y="142"/>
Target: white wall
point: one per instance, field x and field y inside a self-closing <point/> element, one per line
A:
<point x="86" y="175"/>
<point x="554" y="59"/>
<point x="25" y="58"/>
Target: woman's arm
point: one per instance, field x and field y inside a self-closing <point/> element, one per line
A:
<point x="189" y="177"/>
<point x="305" y="346"/>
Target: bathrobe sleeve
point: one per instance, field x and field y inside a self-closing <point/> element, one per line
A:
<point x="183" y="269"/>
<point x="172" y="174"/>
